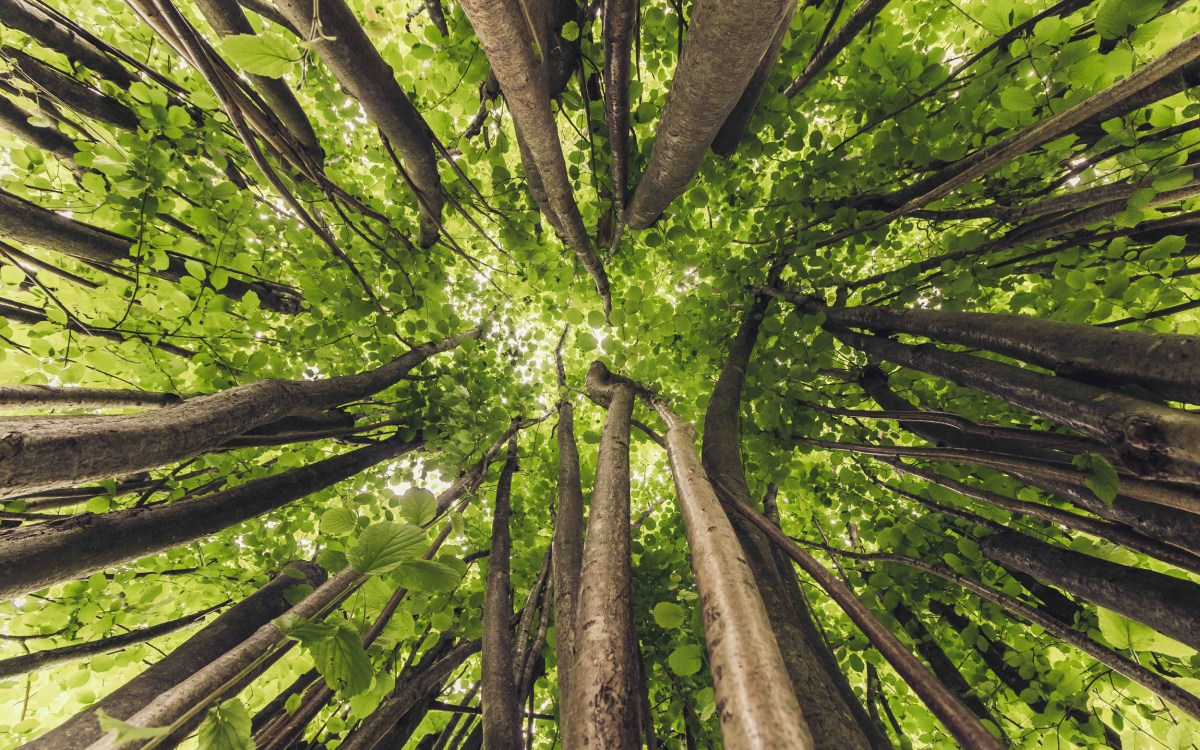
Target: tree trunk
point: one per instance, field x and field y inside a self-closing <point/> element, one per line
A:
<point x="362" y="71"/>
<point x="499" y="697"/>
<point x="726" y="141"/>
<point x="726" y="41"/>
<point x="607" y="702"/>
<point x="34" y="557"/>
<point x="1169" y="605"/>
<point x="833" y="714"/>
<point x="506" y="39"/>
<point x="227" y="19"/>
<point x="1166" y="363"/>
<point x="66" y="90"/>
<point x="231" y="628"/>
<point x="25" y="223"/>
<point x="38" y="453"/>
<point x="618" y="37"/>
<point x="16" y="121"/>
<point x="567" y="553"/>
<point x="858" y="20"/>
<point x="1152" y="440"/>
<point x="29" y="396"/>
<point x="27" y="18"/>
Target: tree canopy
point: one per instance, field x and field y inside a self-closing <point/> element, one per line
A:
<point x="529" y="373"/>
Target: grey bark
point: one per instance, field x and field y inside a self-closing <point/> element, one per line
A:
<point x="498" y="691"/>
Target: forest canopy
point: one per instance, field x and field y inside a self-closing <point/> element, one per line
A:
<point x="739" y="374"/>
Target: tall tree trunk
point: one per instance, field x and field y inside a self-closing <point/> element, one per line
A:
<point x="227" y="19"/>
<point x="567" y="552"/>
<point x="498" y="696"/>
<point x="25" y="223"/>
<point x="357" y="65"/>
<point x="726" y="41"/>
<point x="833" y="714"/>
<point x="37" y="453"/>
<point x="27" y="18"/>
<point x="506" y="39"/>
<point x="34" y="557"/>
<point x="619" y="18"/>
<point x="1162" y="362"/>
<point x="607" y="702"/>
<point x="726" y="141"/>
<point x="231" y="628"/>
<point x="70" y="92"/>
<point x="1169" y="605"/>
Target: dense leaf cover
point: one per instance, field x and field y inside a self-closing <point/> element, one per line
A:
<point x="335" y="282"/>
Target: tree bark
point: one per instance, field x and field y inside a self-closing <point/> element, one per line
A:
<point x="31" y="396"/>
<point x="24" y="17"/>
<point x="567" y="553"/>
<point x="726" y="141"/>
<point x="34" y="557"/>
<point x="1166" y="363"/>
<point x="362" y="71"/>
<point x="1169" y="605"/>
<point x="618" y="37"/>
<point x="509" y="46"/>
<point x="26" y="223"/>
<point x="227" y="19"/>
<point x="499" y="696"/>
<point x="41" y="453"/>
<point x="607" y="702"/>
<point x="726" y="41"/>
<point x="222" y="634"/>
<point x="15" y="121"/>
<point x="834" y="715"/>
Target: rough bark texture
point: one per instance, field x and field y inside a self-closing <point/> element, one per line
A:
<point x="507" y="41"/>
<point x="606" y="705"/>
<point x="618" y="38"/>
<point x="231" y="628"/>
<point x="567" y="552"/>
<point x="362" y="71"/>
<point x="1167" y="604"/>
<point x="227" y="19"/>
<point x="726" y="141"/>
<point x="39" y="453"/>
<point x="26" y="396"/>
<point x="725" y="43"/>
<point x="498" y="696"/>
<point x="25" y="17"/>
<point x="42" y="555"/>
<point x="833" y="714"/>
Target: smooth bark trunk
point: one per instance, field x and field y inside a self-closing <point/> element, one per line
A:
<point x="498" y="691"/>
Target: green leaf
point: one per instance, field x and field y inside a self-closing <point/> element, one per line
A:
<point x="685" y="660"/>
<point x="1115" y="18"/>
<point x="428" y="575"/>
<point x="268" y="54"/>
<point x="1123" y="633"/>
<point x="126" y="732"/>
<point x="1017" y="99"/>
<point x="669" y="615"/>
<point x="227" y="727"/>
<point x="418" y="506"/>
<point x="1102" y="477"/>
<point x="343" y="663"/>
<point x="338" y="521"/>
<point x="570" y="31"/>
<point x="307" y="632"/>
<point x="383" y="546"/>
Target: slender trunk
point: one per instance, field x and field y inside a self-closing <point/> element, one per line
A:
<point x="222" y="634"/>
<point x="28" y="396"/>
<point x="16" y="121"/>
<point x="607" y="702"/>
<point x="858" y="20"/>
<point x="34" y="557"/>
<point x="1152" y="440"/>
<point x="357" y="65"/>
<point x="406" y="695"/>
<point x="23" y="222"/>
<point x="22" y="16"/>
<point x="1169" y="605"/>
<point x="66" y="90"/>
<point x="227" y="19"/>
<point x="726" y="41"/>
<point x="567" y="553"/>
<point x="1166" y="363"/>
<point x="1152" y="681"/>
<point x="19" y="665"/>
<point x="506" y="39"/>
<point x="618" y="37"/>
<point x="834" y="715"/>
<point x="498" y="692"/>
<point x="38" y="453"/>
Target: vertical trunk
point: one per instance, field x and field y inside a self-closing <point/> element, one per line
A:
<point x="1167" y="604"/>
<point x="35" y="557"/>
<point x="607" y="702"/>
<point x="726" y="41"/>
<point x="231" y="628"/>
<point x="833" y="714"/>
<point x="362" y="71"/>
<point x="567" y="553"/>
<point x="618" y="37"/>
<point x="499" y="697"/>
<point x="730" y="135"/>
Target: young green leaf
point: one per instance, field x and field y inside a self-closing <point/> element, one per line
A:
<point x="669" y="615"/>
<point x="383" y="546"/>
<point x="268" y="54"/>
<point x="126" y="732"/>
<point x="227" y="727"/>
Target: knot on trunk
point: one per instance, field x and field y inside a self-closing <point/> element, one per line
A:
<point x="1139" y="443"/>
